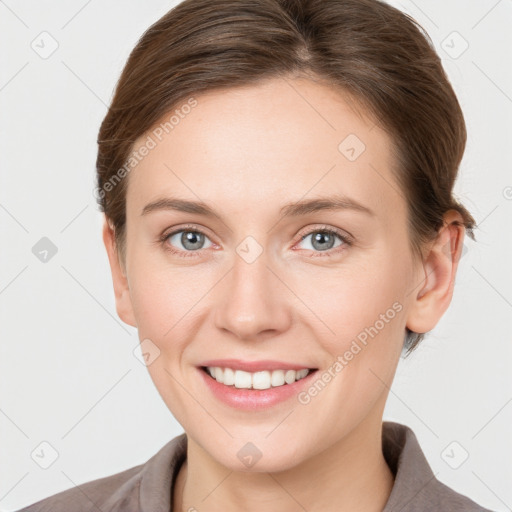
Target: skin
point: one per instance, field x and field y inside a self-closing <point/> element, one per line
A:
<point x="246" y="152"/>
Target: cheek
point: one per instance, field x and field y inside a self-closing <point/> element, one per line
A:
<point x="153" y="305"/>
<point x="163" y="304"/>
<point x="169" y="302"/>
<point x="160" y="300"/>
<point x="362" y="304"/>
<point x="365" y="317"/>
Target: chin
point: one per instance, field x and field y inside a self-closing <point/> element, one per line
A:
<point x="257" y="456"/>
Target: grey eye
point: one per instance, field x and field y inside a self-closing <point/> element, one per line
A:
<point x="322" y="240"/>
<point x="190" y="240"/>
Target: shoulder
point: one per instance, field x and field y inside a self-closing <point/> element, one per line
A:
<point x="92" y="495"/>
<point x="445" y="498"/>
<point x="416" y="487"/>
<point x="148" y="483"/>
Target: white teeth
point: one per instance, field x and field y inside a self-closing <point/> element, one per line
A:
<point x="277" y="378"/>
<point x="229" y="376"/>
<point x="261" y="380"/>
<point x="219" y="375"/>
<point x="289" y="376"/>
<point x="257" y="380"/>
<point x="302" y="373"/>
<point x="242" y="379"/>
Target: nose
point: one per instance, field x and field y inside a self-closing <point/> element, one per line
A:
<point x="253" y="302"/>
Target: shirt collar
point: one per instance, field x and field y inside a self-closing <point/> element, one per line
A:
<point x="413" y="475"/>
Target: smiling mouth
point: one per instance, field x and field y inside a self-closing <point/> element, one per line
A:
<point x="261" y="380"/>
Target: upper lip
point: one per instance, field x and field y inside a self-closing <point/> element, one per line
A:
<point x="254" y="366"/>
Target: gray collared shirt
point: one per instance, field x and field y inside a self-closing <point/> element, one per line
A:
<point x="148" y="487"/>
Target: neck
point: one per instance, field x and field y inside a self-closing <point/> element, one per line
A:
<point x="351" y="475"/>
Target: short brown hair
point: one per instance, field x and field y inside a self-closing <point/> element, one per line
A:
<point x="369" y="50"/>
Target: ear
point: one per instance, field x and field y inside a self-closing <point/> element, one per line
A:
<point x="121" y="289"/>
<point x="434" y="294"/>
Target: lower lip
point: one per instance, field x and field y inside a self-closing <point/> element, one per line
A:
<point x="254" y="399"/>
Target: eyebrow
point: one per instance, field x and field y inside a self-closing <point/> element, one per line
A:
<point x="295" y="209"/>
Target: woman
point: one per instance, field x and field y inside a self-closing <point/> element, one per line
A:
<point x="242" y="137"/>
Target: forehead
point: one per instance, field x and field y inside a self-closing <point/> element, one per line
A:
<point x="278" y="140"/>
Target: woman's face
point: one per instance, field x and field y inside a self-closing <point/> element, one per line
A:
<point x="259" y="280"/>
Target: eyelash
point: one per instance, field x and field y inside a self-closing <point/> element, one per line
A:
<point x="347" y="241"/>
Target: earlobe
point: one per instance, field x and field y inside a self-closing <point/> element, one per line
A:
<point x="439" y="267"/>
<point x="119" y="278"/>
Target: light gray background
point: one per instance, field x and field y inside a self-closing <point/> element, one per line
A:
<point x="69" y="374"/>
